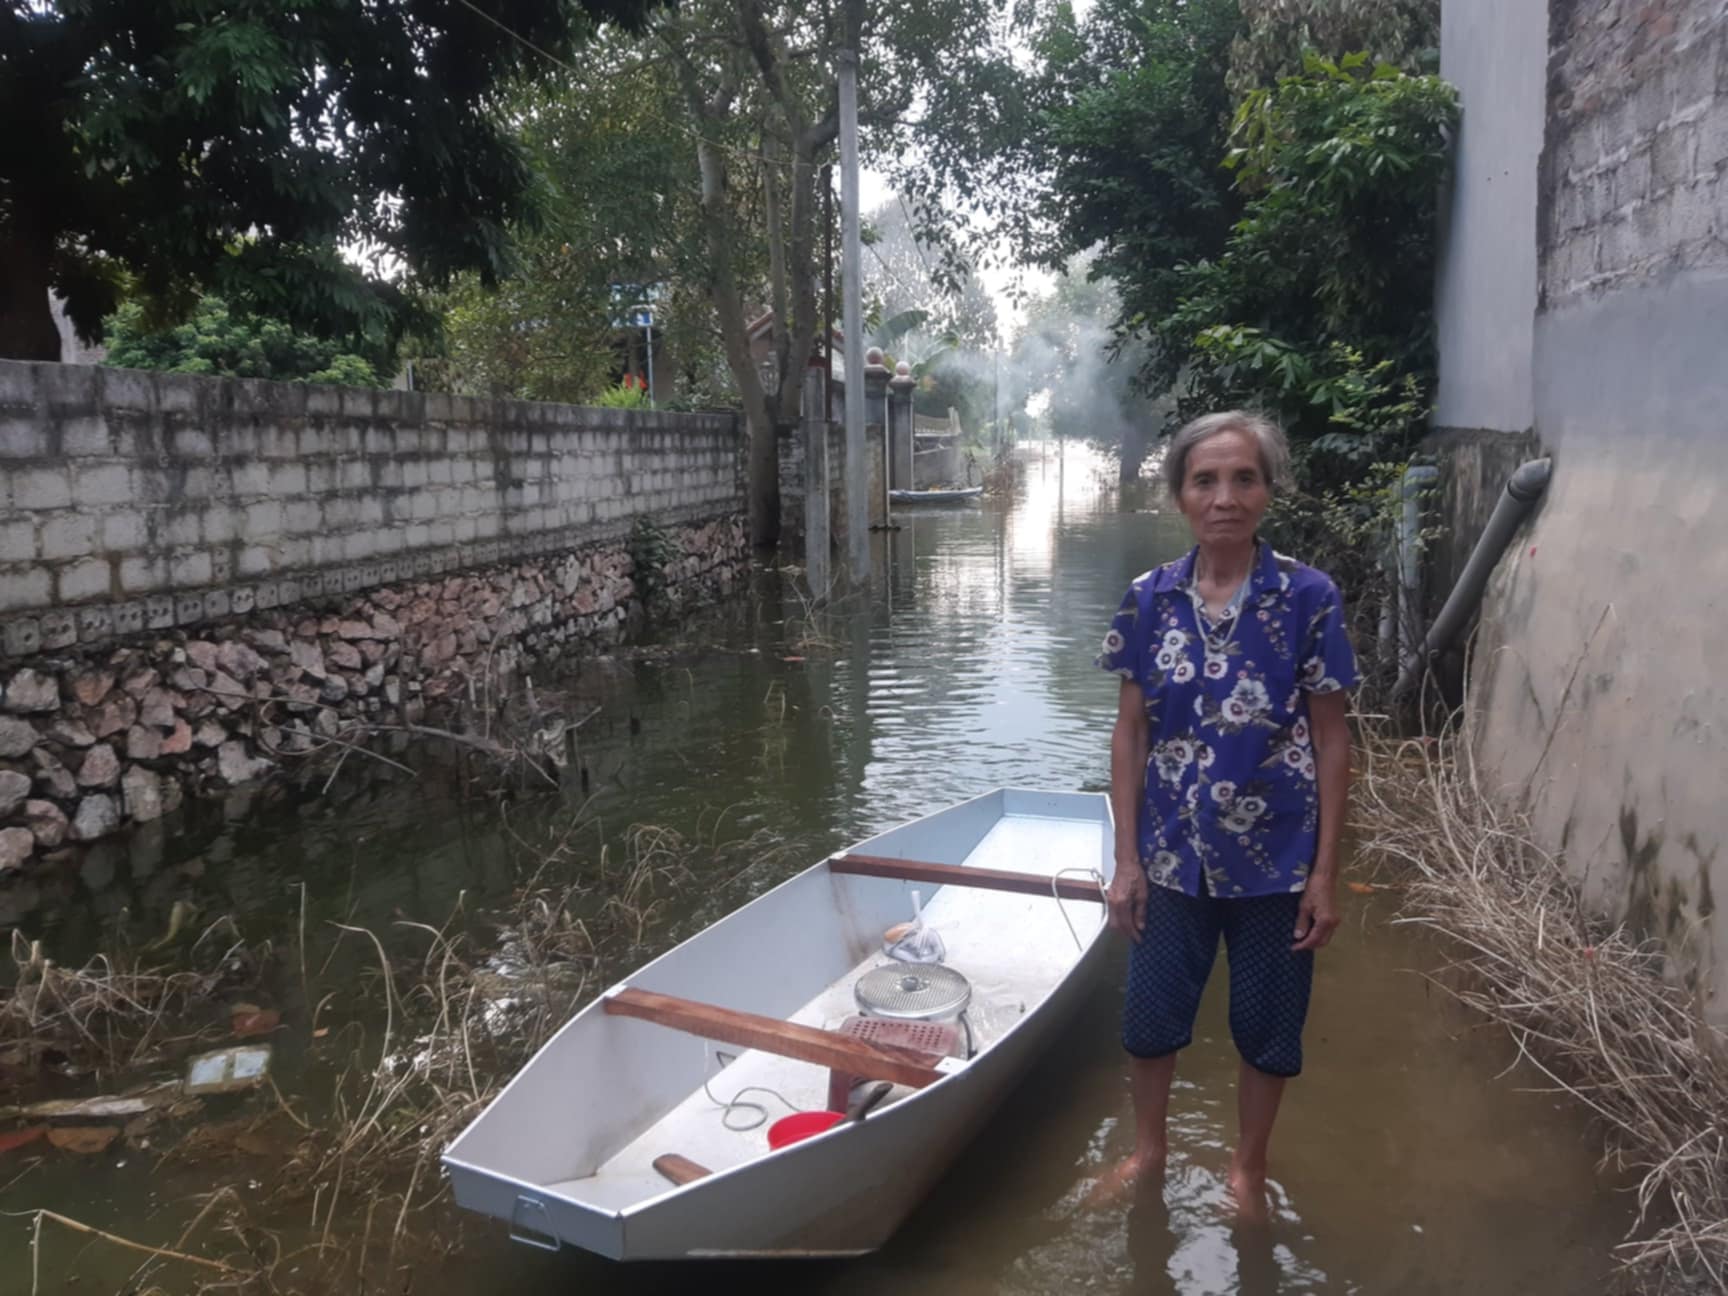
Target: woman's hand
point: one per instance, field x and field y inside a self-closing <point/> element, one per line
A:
<point x="1317" y="918"/>
<point x="1126" y="899"/>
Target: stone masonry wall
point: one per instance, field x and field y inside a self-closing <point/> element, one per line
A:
<point x="134" y="501"/>
<point x="96" y="737"/>
<point x="1637" y="147"/>
<point x="201" y="578"/>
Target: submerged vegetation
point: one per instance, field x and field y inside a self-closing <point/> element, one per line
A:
<point x="396" y="1039"/>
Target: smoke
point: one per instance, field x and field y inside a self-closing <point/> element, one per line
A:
<point x="1076" y="377"/>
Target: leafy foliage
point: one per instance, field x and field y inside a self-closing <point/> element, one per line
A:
<point x="221" y="343"/>
<point x="1067" y="349"/>
<point x="1318" y="307"/>
<point x="1136" y="131"/>
<point x="651" y="550"/>
<point x="615" y="221"/>
<point x="235" y="145"/>
<point x="1278" y="35"/>
<point x="1347" y="531"/>
<point x="623" y="396"/>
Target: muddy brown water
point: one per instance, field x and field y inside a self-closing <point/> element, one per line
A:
<point x="1407" y="1160"/>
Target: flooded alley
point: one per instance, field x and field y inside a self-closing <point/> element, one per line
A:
<point x="1410" y="1159"/>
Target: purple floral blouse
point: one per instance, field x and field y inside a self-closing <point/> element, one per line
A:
<point x="1231" y="806"/>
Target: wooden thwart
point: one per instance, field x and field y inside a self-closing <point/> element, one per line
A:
<point x="1067" y="888"/>
<point x="771" y="1035"/>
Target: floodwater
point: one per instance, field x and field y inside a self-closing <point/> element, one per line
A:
<point x="1405" y="1161"/>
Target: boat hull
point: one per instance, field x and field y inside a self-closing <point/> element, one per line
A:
<point x="841" y="1193"/>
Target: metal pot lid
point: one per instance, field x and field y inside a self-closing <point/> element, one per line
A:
<point x="913" y="991"/>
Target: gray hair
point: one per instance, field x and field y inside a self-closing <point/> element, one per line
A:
<point x="1274" y="449"/>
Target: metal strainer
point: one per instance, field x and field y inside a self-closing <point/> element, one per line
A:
<point x="913" y="992"/>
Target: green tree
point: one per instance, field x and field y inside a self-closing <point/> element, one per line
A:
<point x="1320" y="306"/>
<point x="616" y="215"/>
<point x="236" y="145"/>
<point x="1136" y="128"/>
<point x="1069" y="348"/>
<point x="1278" y="35"/>
<point x="901" y="274"/>
<point x="222" y="344"/>
<point x="760" y="101"/>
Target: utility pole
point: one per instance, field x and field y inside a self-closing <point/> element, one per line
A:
<point x="852" y="309"/>
<point x="996" y="406"/>
<point x="644" y="312"/>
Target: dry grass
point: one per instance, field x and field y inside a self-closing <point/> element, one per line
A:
<point x="445" y="1017"/>
<point x="122" y="1010"/>
<point x="1586" y="1002"/>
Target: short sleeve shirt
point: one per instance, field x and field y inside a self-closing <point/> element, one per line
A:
<point x="1231" y="806"/>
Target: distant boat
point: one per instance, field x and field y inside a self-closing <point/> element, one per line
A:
<point x="607" y="1141"/>
<point x="953" y="495"/>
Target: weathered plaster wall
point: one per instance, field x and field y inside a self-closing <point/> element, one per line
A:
<point x="792" y="486"/>
<point x="1485" y="291"/>
<point x="1601" y="690"/>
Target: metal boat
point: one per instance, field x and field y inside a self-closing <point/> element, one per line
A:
<point x="618" y="1138"/>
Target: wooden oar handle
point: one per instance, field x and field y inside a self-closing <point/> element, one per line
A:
<point x="680" y="1169"/>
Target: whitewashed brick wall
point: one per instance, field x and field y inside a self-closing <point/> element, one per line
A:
<point x="133" y="500"/>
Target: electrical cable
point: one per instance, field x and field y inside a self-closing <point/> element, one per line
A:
<point x="736" y="1103"/>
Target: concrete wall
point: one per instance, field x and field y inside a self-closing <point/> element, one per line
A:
<point x="134" y="501"/>
<point x="1600" y="686"/>
<point x="1485" y="291"/>
<point x="792" y="487"/>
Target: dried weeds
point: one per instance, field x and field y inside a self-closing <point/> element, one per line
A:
<point x="1585" y="1001"/>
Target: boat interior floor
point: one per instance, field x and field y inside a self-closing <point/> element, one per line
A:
<point x="1013" y="949"/>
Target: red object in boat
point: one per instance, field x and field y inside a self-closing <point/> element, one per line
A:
<point x="801" y="1125"/>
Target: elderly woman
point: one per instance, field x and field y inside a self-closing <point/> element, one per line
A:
<point x="1229" y="770"/>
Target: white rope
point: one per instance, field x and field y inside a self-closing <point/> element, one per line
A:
<point x="1056" y="895"/>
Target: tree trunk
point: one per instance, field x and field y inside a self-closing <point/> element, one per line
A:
<point x="27" y="329"/>
<point x="763" y="455"/>
<point x="803" y="268"/>
<point x="764" y="447"/>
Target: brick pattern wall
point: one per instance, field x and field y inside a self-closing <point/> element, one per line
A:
<point x="134" y="501"/>
<point x="1637" y="146"/>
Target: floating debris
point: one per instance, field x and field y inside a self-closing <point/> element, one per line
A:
<point x="106" y="1107"/>
<point x="14" y="1139"/>
<point x="249" y="1019"/>
<point x="228" y="1070"/>
<point x="84" y="1140"/>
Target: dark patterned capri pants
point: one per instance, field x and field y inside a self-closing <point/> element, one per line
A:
<point x="1269" y="983"/>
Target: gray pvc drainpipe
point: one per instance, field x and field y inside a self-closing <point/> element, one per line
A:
<point x="1523" y="488"/>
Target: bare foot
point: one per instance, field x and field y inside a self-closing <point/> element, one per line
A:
<point x="1248" y="1187"/>
<point x="1126" y="1177"/>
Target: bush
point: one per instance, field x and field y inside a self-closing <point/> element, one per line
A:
<point x="223" y="343"/>
<point x="623" y="396"/>
<point x="1319" y="309"/>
